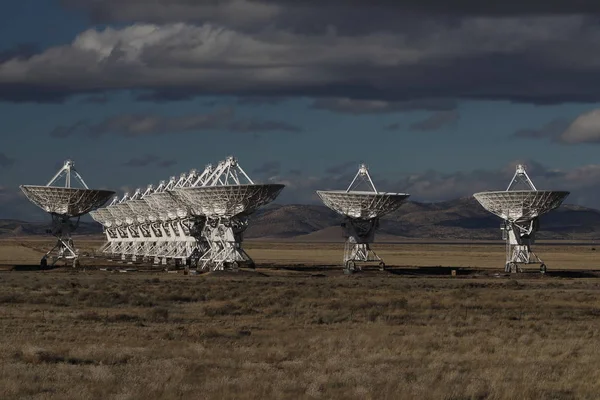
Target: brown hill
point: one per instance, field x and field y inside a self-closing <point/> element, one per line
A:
<point x="462" y="218"/>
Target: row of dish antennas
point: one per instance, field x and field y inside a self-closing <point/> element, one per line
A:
<point x="519" y="206"/>
<point x="197" y="220"/>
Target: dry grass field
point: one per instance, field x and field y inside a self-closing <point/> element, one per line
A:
<point x="298" y="328"/>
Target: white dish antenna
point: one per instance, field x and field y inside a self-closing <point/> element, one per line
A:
<point x="197" y="218"/>
<point x="362" y="209"/>
<point x="225" y="200"/>
<point x="364" y="204"/>
<point x="520" y="209"/>
<point x="64" y="202"/>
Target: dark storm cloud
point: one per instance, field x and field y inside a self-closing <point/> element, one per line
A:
<point x="257" y="126"/>
<point x="311" y="16"/>
<point x="436" y="121"/>
<point x="139" y="125"/>
<point x="19" y="51"/>
<point x="551" y="130"/>
<point x="392" y="127"/>
<point x="36" y="93"/>
<point x="345" y="168"/>
<point x="268" y="168"/>
<point x="261" y="100"/>
<point x="95" y="99"/>
<point x="406" y="64"/>
<point x="583" y="129"/>
<point x="6" y="161"/>
<point x="356" y="106"/>
<point x="149" y="160"/>
<point x="14" y="205"/>
<point x="166" y="95"/>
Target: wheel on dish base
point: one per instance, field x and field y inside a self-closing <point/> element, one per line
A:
<point x="350" y="267"/>
<point x="382" y="266"/>
<point x="543" y="268"/>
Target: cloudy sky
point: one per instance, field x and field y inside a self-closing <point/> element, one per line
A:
<point x="441" y="99"/>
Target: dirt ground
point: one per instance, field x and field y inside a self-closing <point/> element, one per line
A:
<point x="485" y="255"/>
<point x="298" y="328"/>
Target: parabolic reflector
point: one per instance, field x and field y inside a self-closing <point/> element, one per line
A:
<point x="228" y="200"/>
<point x="163" y="204"/>
<point x="102" y="216"/>
<point x="140" y="208"/>
<point x="71" y="202"/>
<point x="520" y="205"/>
<point x="64" y="203"/>
<point x="364" y="205"/>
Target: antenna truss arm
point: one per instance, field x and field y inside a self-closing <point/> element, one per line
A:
<point x="80" y="178"/>
<point x="204" y="176"/>
<point x="521" y="176"/>
<point x="227" y="173"/>
<point x="363" y="175"/>
<point x="65" y="171"/>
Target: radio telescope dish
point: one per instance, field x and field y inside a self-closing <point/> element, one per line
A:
<point x="66" y="204"/>
<point x="226" y="199"/>
<point x="229" y="201"/>
<point x="362" y="210"/>
<point x="520" y="210"/>
<point x="152" y="224"/>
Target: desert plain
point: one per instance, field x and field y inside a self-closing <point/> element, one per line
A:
<point x="298" y="328"/>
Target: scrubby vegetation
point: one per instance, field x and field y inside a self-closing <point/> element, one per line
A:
<point x="297" y="335"/>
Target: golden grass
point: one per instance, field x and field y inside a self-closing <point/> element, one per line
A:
<point x="251" y="336"/>
<point x="477" y="255"/>
<point x="303" y="334"/>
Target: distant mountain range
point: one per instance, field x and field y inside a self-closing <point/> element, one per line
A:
<point x="462" y="218"/>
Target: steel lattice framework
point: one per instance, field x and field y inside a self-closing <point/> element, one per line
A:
<point x="198" y="219"/>
<point x="362" y="211"/>
<point x="65" y="204"/>
<point x="226" y="209"/>
<point x="520" y="210"/>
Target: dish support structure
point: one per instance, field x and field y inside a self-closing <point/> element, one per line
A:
<point x="219" y="238"/>
<point x="64" y="225"/>
<point x="519" y="236"/>
<point x="64" y="249"/>
<point x="359" y="233"/>
<point x="222" y="238"/>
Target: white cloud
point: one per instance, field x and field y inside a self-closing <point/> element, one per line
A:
<point x="214" y="59"/>
<point x="584" y="129"/>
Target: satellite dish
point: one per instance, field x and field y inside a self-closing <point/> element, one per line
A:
<point x="225" y="200"/>
<point x="151" y="224"/>
<point x="362" y="209"/>
<point x="520" y="210"/>
<point x="170" y="222"/>
<point x="66" y="204"/>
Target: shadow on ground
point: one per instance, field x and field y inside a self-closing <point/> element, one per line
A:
<point x="332" y="270"/>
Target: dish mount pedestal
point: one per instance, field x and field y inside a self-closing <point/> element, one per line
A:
<point x="66" y="204"/>
<point x="520" y="210"/>
<point x="360" y="233"/>
<point x="63" y="249"/>
<point x="362" y="210"/>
